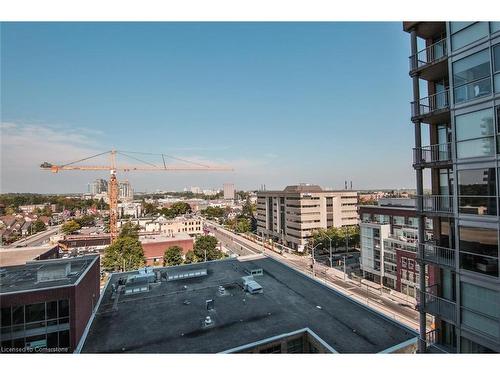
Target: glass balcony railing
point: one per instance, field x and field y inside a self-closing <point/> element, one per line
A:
<point x="438" y="306"/>
<point x="432" y="154"/>
<point x="428" y="55"/>
<point x="438" y="204"/>
<point x="430" y="104"/>
<point x="437" y="254"/>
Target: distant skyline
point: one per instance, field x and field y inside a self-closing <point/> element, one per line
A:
<point x="282" y="103"/>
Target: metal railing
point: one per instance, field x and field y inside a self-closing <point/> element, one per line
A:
<point x="428" y="55"/>
<point x="438" y="306"/>
<point x="430" y="103"/>
<point x="435" y="203"/>
<point x="432" y="154"/>
<point x="437" y="254"/>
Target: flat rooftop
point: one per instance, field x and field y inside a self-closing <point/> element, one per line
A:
<point x="152" y="238"/>
<point x="17" y="279"/>
<point x="21" y="255"/>
<point x="169" y="317"/>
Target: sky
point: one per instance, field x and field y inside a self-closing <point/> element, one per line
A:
<point x="281" y="103"/>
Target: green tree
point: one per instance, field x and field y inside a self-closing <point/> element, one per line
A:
<point x="207" y="245"/>
<point x="243" y="225"/>
<point x="86" y="221"/>
<point x="130" y="230"/>
<point x="38" y="226"/>
<point x="70" y="227"/>
<point x="125" y="254"/>
<point x="172" y="256"/>
<point x="190" y="257"/>
<point x="149" y="208"/>
<point x="180" y="208"/>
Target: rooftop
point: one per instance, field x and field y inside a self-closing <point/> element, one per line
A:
<point x="44" y="274"/>
<point x="21" y="255"/>
<point x="304" y="188"/>
<point x="149" y="238"/>
<point x="168" y="317"/>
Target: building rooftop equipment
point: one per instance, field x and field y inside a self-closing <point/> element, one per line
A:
<point x="173" y="316"/>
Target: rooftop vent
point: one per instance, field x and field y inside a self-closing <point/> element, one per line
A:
<point x="51" y="272"/>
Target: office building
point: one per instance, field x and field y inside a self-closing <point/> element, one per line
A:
<point x="388" y="234"/>
<point x="290" y="216"/>
<point x="125" y="191"/>
<point x="46" y="304"/>
<point x="236" y="306"/>
<point x="186" y="224"/>
<point x="99" y="186"/>
<point x="459" y="62"/>
<point x="229" y="191"/>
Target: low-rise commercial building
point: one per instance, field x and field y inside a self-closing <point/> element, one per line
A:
<point x="291" y="216"/>
<point x="236" y="306"/>
<point x="46" y="304"/>
<point x="154" y="246"/>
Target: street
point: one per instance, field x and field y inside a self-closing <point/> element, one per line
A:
<point x="37" y="239"/>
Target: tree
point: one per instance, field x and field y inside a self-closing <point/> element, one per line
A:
<point x="70" y="227"/>
<point x="86" y="221"/>
<point x="172" y="256"/>
<point x="130" y="230"/>
<point x="180" y="208"/>
<point x="207" y="245"/>
<point x="38" y="226"/>
<point x="125" y="254"/>
<point x="149" y="208"/>
<point x="190" y="257"/>
<point x="243" y="225"/>
<point x="213" y="212"/>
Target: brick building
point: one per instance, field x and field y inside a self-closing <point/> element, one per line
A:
<point x="46" y="304"/>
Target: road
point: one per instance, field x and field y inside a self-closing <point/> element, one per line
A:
<point x="36" y="239"/>
<point x="389" y="305"/>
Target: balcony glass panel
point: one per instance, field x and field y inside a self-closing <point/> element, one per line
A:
<point x="469" y="34"/>
<point x="471" y="76"/>
<point x="479" y="250"/>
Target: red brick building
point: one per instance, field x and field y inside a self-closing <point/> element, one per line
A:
<point x="46" y="305"/>
<point x="154" y="246"/>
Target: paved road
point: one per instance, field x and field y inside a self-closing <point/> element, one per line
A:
<point x="37" y="239"/>
<point x="391" y="306"/>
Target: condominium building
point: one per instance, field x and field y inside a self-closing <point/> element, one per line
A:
<point x="460" y="64"/>
<point x="290" y="216"/>
<point x="99" y="186"/>
<point x="229" y="191"/>
<point x="126" y="193"/>
<point x="389" y="244"/>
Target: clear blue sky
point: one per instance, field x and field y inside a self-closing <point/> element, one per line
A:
<point x="281" y="102"/>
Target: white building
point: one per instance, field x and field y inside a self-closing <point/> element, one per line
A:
<point x="228" y="191"/>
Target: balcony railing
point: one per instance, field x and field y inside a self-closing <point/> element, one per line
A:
<point x="428" y="55"/>
<point x="438" y="306"/>
<point x="438" y="254"/>
<point x="430" y="104"/>
<point x="432" y="342"/>
<point x="432" y="154"/>
<point x="438" y="204"/>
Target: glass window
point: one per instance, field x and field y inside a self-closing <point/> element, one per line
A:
<point x="63" y="308"/>
<point x="495" y="26"/>
<point x="6" y="319"/>
<point x="479" y="250"/>
<point x="477" y="191"/>
<point x="398" y="220"/>
<point x="52" y="310"/>
<point x="64" y="339"/>
<point x="474" y="134"/>
<point x="471" y="76"/>
<point x="468" y="34"/>
<point x="480" y="323"/>
<point x="18" y="315"/>
<point x="457" y="26"/>
<point x="496" y="66"/>
<point x="35" y="312"/>
<point x="482" y="300"/>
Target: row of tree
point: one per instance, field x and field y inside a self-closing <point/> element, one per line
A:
<point x="339" y="237"/>
<point x="205" y="247"/>
<point x="176" y="209"/>
<point x="73" y="225"/>
<point x="12" y="201"/>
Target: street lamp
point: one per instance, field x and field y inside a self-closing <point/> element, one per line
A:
<point x="312" y="254"/>
<point x="330" y="239"/>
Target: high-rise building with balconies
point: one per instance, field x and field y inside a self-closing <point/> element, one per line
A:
<point x="459" y="62"/>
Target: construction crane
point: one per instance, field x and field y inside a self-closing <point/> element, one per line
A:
<point x="113" y="168"/>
